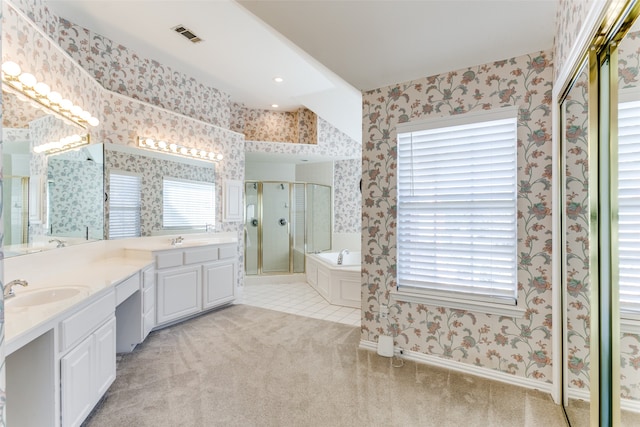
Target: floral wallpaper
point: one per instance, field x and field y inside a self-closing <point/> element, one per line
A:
<point x="18" y="114"/>
<point x="15" y="135"/>
<point x="307" y="126"/>
<point x="577" y="286"/>
<point x="298" y="127"/>
<point x="570" y="17"/>
<point x="347" y="200"/>
<point x="75" y="191"/>
<point x="121" y="70"/>
<point x="519" y="346"/>
<point x="152" y="171"/>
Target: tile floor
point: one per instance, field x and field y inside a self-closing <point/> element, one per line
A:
<point x="297" y="298"/>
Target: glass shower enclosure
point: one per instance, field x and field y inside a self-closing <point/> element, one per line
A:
<point x="284" y="220"/>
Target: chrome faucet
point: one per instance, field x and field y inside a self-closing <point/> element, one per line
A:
<point x="341" y="255"/>
<point x="8" y="288"/>
<point x="60" y="243"/>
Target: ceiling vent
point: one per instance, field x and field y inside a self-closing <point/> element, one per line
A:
<point x="187" y="33"/>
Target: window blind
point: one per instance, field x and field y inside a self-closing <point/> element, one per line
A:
<point x="629" y="205"/>
<point x="187" y="203"/>
<point x="124" y="205"/>
<point x="457" y="210"/>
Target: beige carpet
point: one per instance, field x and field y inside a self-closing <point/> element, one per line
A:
<point x="247" y="366"/>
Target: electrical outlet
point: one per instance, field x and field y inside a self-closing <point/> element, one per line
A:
<point x="384" y="311"/>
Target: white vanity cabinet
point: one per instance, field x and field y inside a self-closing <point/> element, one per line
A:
<point x="88" y="361"/>
<point x="219" y="281"/>
<point x="192" y="280"/>
<point x="178" y="293"/>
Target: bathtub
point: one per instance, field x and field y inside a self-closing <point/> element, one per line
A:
<point x="338" y="284"/>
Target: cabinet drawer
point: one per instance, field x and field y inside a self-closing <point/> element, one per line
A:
<point x="148" y="300"/>
<point x="80" y="324"/>
<point x="126" y="288"/>
<point x="227" y="251"/>
<point x="168" y="259"/>
<point x="200" y="255"/>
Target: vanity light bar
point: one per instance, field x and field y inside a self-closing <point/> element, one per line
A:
<point x="166" y="147"/>
<point x="65" y="144"/>
<point x="27" y="85"/>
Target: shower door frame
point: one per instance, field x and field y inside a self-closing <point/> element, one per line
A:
<point x="260" y="216"/>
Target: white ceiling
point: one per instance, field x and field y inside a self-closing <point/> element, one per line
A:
<point x="327" y="51"/>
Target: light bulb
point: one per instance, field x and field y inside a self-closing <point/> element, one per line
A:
<point x="42" y="89"/>
<point x="76" y="110"/>
<point x="93" y="121"/>
<point x="85" y="115"/>
<point x="65" y="104"/>
<point x="162" y="145"/>
<point x="38" y="149"/>
<point x="11" y="69"/>
<point x="220" y="156"/>
<point x="54" y="97"/>
<point x="28" y="80"/>
<point x="184" y="151"/>
<point x="173" y="147"/>
<point x="194" y="152"/>
<point x="151" y="143"/>
<point x="203" y="153"/>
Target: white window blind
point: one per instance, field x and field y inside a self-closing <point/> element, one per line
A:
<point x="187" y="203"/>
<point x="457" y="208"/>
<point x="124" y="205"/>
<point x="629" y="205"/>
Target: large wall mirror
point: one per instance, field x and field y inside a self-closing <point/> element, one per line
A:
<point x="155" y="193"/>
<point x="50" y="200"/>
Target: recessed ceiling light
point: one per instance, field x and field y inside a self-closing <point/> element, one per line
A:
<point x="278" y="79"/>
<point x="274" y="105"/>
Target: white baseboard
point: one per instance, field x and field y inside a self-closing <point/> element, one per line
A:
<point x="466" y="368"/>
<point x="625" y="404"/>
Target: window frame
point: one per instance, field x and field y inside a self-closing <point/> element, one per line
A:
<point x="455" y="299"/>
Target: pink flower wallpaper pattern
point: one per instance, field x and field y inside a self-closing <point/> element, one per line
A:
<point x="299" y="127"/>
<point x="518" y="346"/>
<point x="120" y="70"/>
<point x="347" y="200"/>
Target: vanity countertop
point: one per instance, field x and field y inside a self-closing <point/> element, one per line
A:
<point x="22" y="324"/>
<point x="92" y="275"/>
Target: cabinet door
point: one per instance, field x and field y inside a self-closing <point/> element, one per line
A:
<point x="105" y="357"/>
<point x="219" y="283"/>
<point x="179" y="293"/>
<point x="76" y="388"/>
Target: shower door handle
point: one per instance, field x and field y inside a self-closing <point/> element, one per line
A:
<point x="282" y="222"/>
<point x="254" y="222"/>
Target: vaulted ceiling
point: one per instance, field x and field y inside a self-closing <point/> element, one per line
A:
<point x="326" y="51"/>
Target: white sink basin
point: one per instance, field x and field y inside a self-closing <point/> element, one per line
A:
<point x="43" y="296"/>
